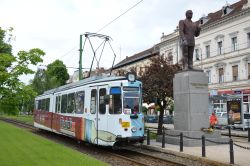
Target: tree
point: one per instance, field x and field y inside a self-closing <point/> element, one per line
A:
<point x="42" y="81"/>
<point x="12" y="90"/>
<point x="54" y="76"/>
<point x="58" y="70"/>
<point x="157" y="84"/>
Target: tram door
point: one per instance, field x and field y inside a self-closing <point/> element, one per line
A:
<point x="99" y="114"/>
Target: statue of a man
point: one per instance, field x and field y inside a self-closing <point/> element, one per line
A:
<point x="188" y="30"/>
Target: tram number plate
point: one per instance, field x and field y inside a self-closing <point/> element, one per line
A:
<point x="125" y="124"/>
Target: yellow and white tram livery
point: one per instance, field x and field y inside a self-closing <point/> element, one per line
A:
<point x="100" y="110"/>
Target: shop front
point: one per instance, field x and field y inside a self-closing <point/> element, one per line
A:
<point x="222" y="99"/>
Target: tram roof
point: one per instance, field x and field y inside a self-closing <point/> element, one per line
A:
<point x="94" y="79"/>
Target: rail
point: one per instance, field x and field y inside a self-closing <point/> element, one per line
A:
<point x="131" y="157"/>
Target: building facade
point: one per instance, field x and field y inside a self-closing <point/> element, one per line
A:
<point x="223" y="51"/>
<point x="137" y="63"/>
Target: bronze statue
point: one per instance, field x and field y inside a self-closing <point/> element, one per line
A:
<point x="188" y="30"/>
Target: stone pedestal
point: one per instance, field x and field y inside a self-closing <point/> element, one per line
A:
<point x="191" y="108"/>
<point x="191" y="101"/>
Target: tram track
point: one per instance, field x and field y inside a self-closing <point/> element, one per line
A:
<point x="132" y="155"/>
<point x="120" y="157"/>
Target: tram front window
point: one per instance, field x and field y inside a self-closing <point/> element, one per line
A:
<point x="131" y="103"/>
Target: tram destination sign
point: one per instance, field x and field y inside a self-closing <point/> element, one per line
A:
<point x="246" y="116"/>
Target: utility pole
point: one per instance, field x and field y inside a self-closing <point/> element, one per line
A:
<point x="80" y="59"/>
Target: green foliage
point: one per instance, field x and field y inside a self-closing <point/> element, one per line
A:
<point x="42" y="81"/>
<point x="58" y="70"/>
<point x="144" y="109"/>
<point x="13" y="93"/>
<point x="19" y="147"/>
<point x="55" y="76"/>
<point x="157" y="84"/>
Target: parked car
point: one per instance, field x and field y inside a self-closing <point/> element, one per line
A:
<point x="151" y="118"/>
<point x="222" y="120"/>
<point x="168" y="119"/>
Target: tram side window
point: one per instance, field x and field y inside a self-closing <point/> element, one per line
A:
<point x="58" y="103"/>
<point x="102" y="105"/>
<point x="93" y="101"/>
<point x="36" y="104"/>
<point x="39" y="105"/>
<point x="47" y="101"/>
<point x="71" y="103"/>
<point x="64" y="104"/>
<point x="115" y="102"/>
<point x="43" y="105"/>
<point x="79" y="98"/>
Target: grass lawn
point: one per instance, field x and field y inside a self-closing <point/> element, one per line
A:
<point x="25" y="118"/>
<point x="21" y="148"/>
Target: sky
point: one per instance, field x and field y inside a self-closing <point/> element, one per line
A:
<point x="55" y="26"/>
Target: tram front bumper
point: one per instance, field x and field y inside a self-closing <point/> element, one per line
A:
<point x="130" y="139"/>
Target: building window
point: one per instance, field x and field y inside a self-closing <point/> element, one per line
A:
<point x="197" y="54"/>
<point x="248" y="39"/>
<point x="170" y="57"/>
<point x="209" y="76"/>
<point x="208" y="51"/>
<point x="248" y="70"/>
<point x="234" y="44"/>
<point x="221" y="75"/>
<point x="219" y="48"/>
<point x="235" y="72"/>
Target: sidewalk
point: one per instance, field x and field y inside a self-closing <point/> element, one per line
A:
<point x="218" y="153"/>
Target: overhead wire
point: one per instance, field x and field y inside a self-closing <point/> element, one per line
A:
<point x="67" y="53"/>
<point x="120" y="16"/>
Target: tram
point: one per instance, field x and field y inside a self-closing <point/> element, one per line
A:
<point x="106" y="111"/>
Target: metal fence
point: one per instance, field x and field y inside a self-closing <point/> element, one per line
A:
<point x="203" y="142"/>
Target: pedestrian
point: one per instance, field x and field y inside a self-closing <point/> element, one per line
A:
<point x="213" y="120"/>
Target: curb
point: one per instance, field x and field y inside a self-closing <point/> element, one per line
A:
<point x="202" y="160"/>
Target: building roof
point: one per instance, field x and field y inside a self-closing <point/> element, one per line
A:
<point x="218" y="15"/>
<point x="212" y="18"/>
<point x="139" y="56"/>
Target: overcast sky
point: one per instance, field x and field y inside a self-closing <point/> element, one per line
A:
<point x="55" y="25"/>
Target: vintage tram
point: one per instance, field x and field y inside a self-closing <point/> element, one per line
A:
<point x="100" y="110"/>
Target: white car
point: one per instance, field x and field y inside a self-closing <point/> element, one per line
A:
<point x="222" y="120"/>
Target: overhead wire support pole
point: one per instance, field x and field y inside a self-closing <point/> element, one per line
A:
<point x="80" y="58"/>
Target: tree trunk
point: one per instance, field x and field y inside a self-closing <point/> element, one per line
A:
<point x="160" y="123"/>
<point x="162" y="105"/>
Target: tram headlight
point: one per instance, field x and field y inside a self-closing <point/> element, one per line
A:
<point x="131" y="77"/>
<point x="133" y="129"/>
